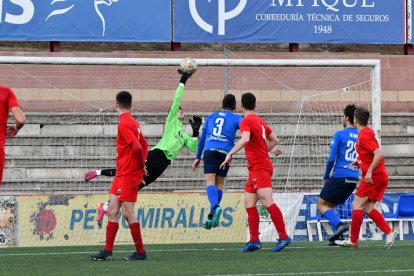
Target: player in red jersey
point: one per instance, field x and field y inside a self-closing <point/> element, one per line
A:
<point x="131" y="153"/>
<point x="258" y="139"/>
<point x="8" y="102"/>
<point x="372" y="185"/>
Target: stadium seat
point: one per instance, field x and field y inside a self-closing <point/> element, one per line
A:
<point x="403" y="212"/>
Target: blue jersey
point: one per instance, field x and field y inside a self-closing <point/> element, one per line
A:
<point x="342" y="155"/>
<point x="219" y="132"/>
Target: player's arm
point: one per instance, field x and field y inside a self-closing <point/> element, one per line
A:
<point x="332" y="156"/>
<point x="17" y="113"/>
<point x="244" y="139"/>
<point x="272" y="141"/>
<point x="200" y="146"/>
<point x="144" y="145"/>
<point x="190" y="143"/>
<point x="375" y="162"/>
<point x="370" y="143"/>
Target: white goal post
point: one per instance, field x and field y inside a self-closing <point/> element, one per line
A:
<point x="72" y="125"/>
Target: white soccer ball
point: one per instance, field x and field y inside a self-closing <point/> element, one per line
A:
<point x="188" y="66"/>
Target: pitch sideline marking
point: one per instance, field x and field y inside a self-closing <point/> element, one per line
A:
<point x="324" y="272"/>
<point x="187" y="249"/>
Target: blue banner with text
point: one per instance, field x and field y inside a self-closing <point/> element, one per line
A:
<point x="81" y="20"/>
<point x="290" y="21"/>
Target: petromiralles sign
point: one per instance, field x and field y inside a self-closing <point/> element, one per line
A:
<point x="294" y="21"/>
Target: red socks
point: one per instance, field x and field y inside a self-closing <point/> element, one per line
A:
<point x="253" y="219"/>
<point x="357" y="219"/>
<point x="136" y="236"/>
<point x="277" y="218"/>
<point x="111" y="230"/>
<point x="379" y="220"/>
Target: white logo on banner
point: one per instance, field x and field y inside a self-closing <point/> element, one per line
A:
<point x="223" y="16"/>
<point x="97" y="3"/>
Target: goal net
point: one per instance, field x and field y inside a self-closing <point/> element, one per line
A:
<point x="72" y="125"/>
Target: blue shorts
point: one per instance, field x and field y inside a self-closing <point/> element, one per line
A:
<point x="212" y="161"/>
<point x="337" y="190"/>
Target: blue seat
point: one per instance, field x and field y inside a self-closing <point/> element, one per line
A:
<point x="404" y="212"/>
<point x="405" y="207"/>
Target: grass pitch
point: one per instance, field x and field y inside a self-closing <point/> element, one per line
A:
<point x="300" y="258"/>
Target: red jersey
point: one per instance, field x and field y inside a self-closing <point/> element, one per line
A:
<point x="7" y="101"/>
<point x="366" y="145"/>
<point x="129" y="131"/>
<point x="256" y="149"/>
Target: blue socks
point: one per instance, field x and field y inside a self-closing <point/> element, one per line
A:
<point x="333" y="218"/>
<point x="212" y="195"/>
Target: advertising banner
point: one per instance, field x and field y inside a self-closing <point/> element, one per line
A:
<point x="164" y="218"/>
<point x="8" y="221"/>
<point x="79" y="20"/>
<point x="290" y="21"/>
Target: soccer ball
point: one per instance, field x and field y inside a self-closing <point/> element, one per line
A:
<point x="188" y="66"/>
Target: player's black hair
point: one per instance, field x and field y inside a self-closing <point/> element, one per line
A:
<point x="229" y="102"/>
<point x="248" y="101"/>
<point x="362" y="116"/>
<point x="124" y="100"/>
<point x="349" y="112"/>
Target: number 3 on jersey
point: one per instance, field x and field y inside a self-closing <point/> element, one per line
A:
<point x="219" y="127"/>
<point x="350" y="153"/>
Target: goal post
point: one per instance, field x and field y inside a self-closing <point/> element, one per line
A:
<point x="72" y="125"/>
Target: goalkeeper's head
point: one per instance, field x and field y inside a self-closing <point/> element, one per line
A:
<point x="349" y="115"/>
<point x="124" y="101"/>
<point x="229" y="102"/>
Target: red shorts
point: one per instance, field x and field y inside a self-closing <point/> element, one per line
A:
<point x="375" y="190"/>
<point x="258" y="180"/>
<point x="126" y="188"/>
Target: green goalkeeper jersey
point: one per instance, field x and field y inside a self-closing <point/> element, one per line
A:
<point x="175" y="137"/>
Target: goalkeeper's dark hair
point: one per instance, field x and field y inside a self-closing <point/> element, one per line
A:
<point x="124" y="100"/>
<point x="248" y="101"/>
<point x="229" y="102"/>
<point x="362" y="116"/>
<point x="349" y="112"/>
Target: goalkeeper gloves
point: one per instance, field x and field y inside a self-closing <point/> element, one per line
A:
<point x="195" y="125"/>
<point x="184" y="76"/>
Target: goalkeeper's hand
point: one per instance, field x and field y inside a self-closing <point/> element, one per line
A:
<point x="195" y="125"/>
<point x="184" y="76"/>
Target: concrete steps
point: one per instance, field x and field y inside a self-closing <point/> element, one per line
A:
<point x="54" y="150"/>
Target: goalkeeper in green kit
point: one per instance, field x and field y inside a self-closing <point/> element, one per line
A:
<point x="166" y="150"/>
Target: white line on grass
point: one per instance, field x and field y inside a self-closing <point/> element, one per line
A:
<point x="387" y="271"/>
<point x="189" y="249"/>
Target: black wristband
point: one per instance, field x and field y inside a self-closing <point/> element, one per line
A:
<point x="184" y="78"/>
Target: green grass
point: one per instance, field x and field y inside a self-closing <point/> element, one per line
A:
<point x="303" y="258"/>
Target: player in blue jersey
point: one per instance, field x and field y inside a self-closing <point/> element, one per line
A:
<point x="217" y="139"/>
<point x="340" y="185"/>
